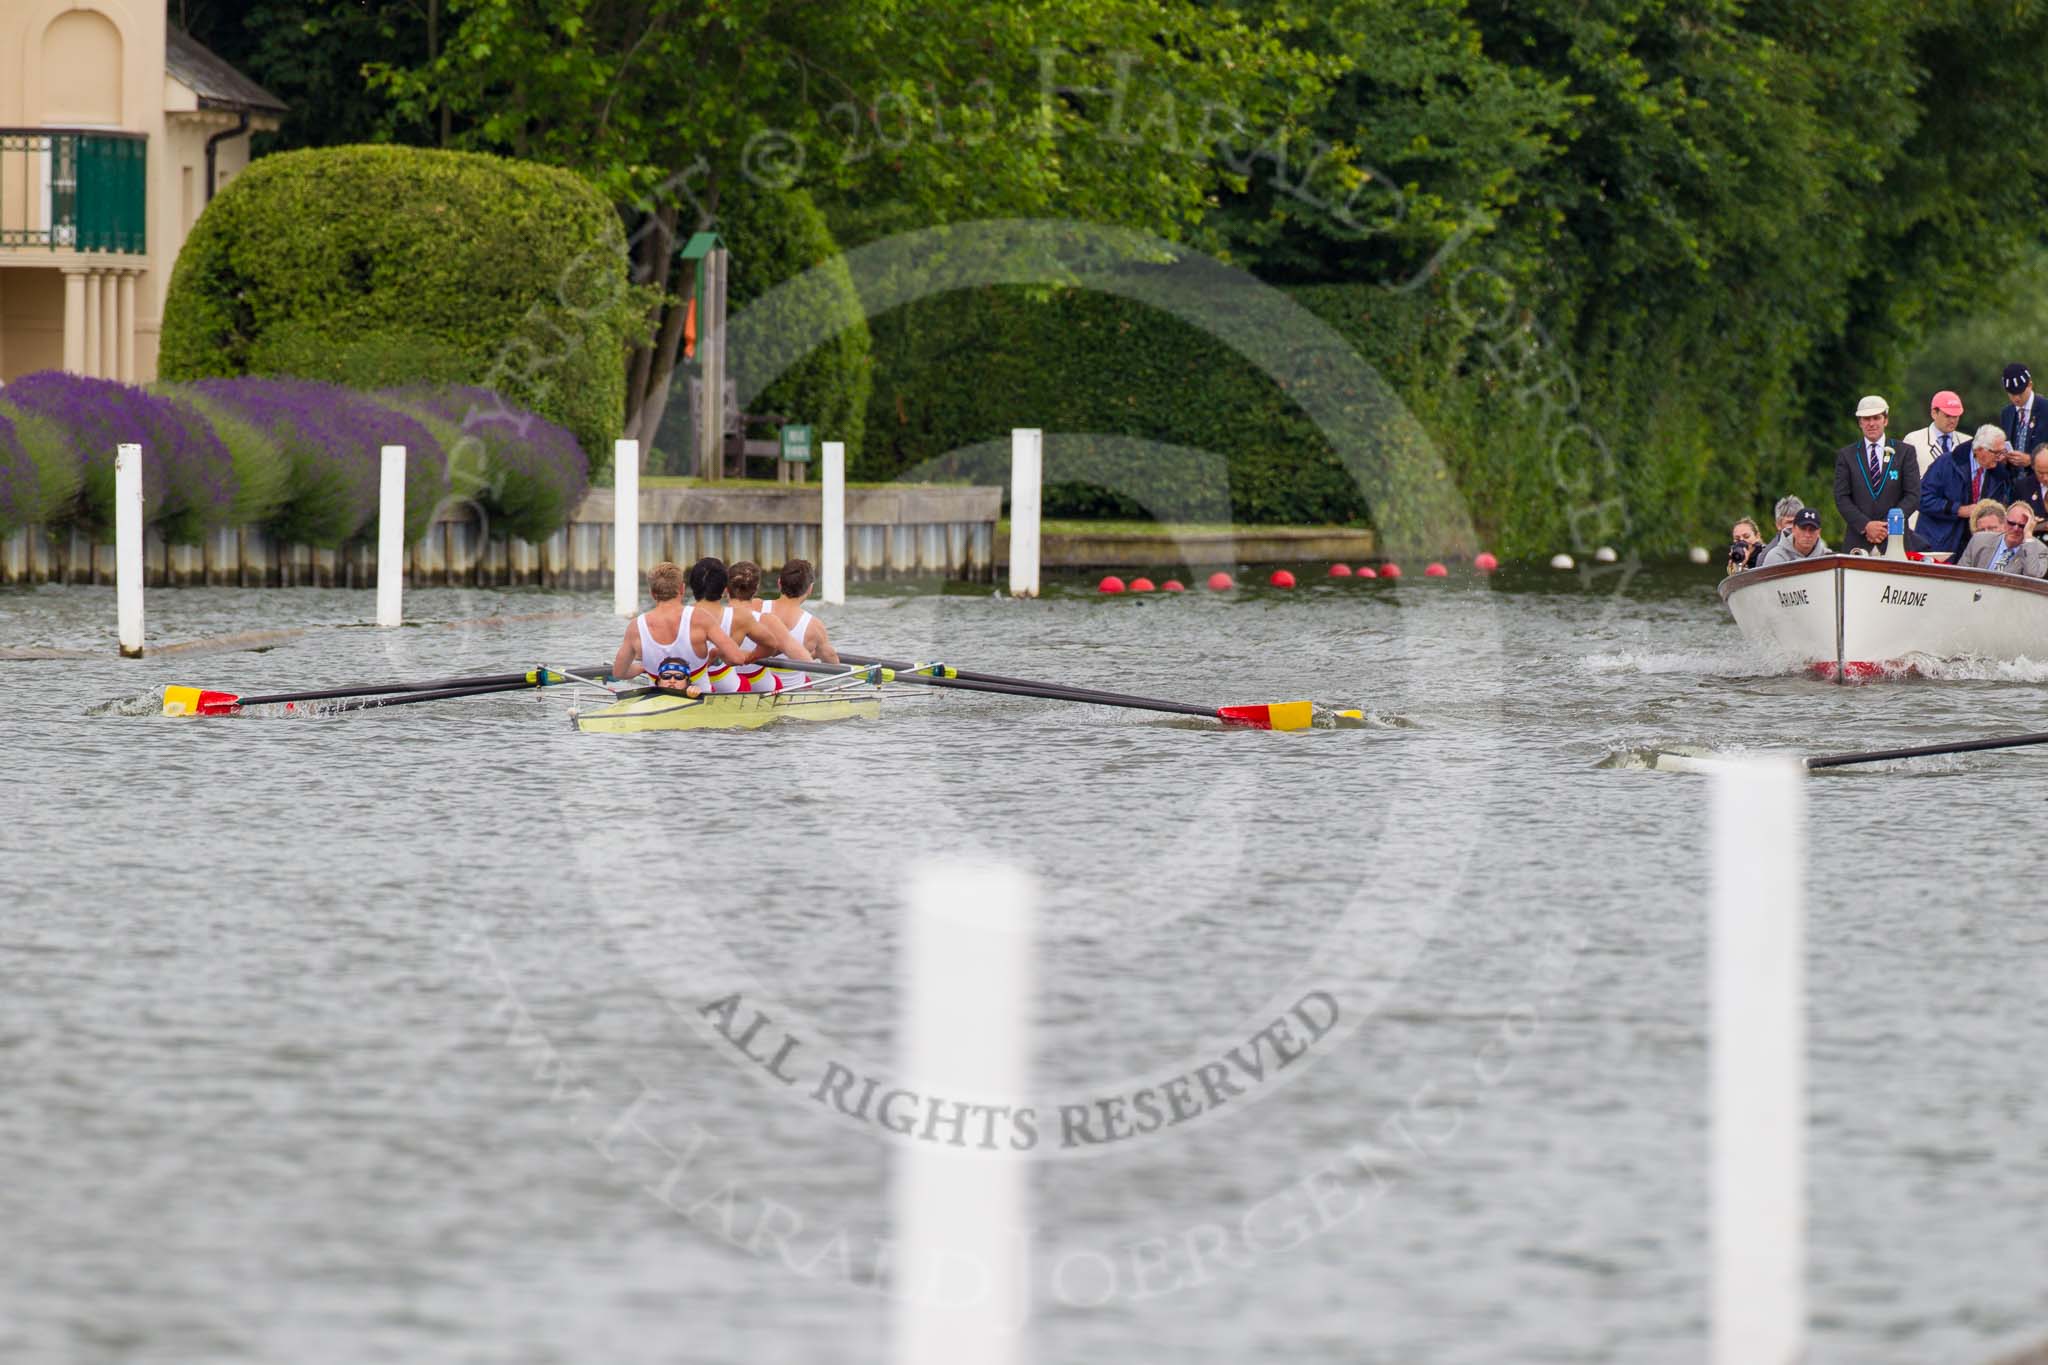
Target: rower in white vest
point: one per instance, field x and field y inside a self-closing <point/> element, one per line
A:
<point x="707" y="637"/>
<point x="657" y="643"/>
<point x="795" y="582"/>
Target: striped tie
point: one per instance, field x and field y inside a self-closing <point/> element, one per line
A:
<point x="1871" y="454"/>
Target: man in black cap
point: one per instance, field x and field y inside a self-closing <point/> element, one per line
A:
<point x="2025" y="419"/>
<point x="1804" y="542"/>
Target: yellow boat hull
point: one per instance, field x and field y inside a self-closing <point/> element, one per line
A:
<point x="724" y="711"/>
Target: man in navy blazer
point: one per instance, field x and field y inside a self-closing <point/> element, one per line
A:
<point x="1872" y="476"/>
<point x="1959" y="481"/>
<point x="2025" y="419"/>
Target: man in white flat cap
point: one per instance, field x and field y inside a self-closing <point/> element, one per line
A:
<point x="1872" y="476"/>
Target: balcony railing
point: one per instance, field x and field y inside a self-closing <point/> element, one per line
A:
<point x="73" y="188"/>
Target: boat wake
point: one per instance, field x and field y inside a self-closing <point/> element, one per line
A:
<point x="1722" y="663"/>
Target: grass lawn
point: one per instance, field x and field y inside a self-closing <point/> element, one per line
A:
<point x="767" y="485"/>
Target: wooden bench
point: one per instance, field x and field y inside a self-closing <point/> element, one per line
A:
<point x="738" y="446"/>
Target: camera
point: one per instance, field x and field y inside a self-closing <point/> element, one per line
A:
<point x="1743" y="554"/>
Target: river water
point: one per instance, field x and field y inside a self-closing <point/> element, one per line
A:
<point x="385" y="1036"/>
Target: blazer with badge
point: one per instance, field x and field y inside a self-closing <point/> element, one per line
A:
<point x="2037" y="427"/>
<point x="2029" y="560"/>
<point x="1947" y="492"/>
<point x="1860" y="499"/>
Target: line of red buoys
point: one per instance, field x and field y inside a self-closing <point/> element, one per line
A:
<point x="1220" y="581"/>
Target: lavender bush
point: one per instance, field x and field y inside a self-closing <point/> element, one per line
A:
<point x="17" y="481"/>
<point x="528" y="472"/>
<point x="329" y="438"/>
<point x="188" y="479"/>
<point x="56" y="465"/>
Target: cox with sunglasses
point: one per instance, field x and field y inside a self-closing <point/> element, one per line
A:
<point x="2009" y="550"/>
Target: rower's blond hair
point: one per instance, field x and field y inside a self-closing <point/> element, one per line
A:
<point x="665" y="581"/>
<point x="743" y="580"/>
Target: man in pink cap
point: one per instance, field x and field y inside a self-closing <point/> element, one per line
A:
<point x="1937" y="438"/>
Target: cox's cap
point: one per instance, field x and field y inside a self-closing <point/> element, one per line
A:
<point x="1807" y="518"/>
<point x="2017" y="378"/>
<point x="1872" y="406"/>
<point x="674" y="668"/>
<point x="1947" y="401"/>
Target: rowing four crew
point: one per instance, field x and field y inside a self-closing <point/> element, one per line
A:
<point x="714" y="646"/>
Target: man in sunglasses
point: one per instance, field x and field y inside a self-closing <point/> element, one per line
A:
<point x="2010" y="550"/>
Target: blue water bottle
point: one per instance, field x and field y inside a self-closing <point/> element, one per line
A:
<point x="1895" y="522"/>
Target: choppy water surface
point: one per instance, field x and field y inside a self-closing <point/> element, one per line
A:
<point x="378" y="1037"/>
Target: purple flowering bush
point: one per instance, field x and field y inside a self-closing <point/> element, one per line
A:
<point x="188" y="479"/>
<point x="330" y="439"/>
<point x="18" y="500"/>
<point x="527" y="472"/>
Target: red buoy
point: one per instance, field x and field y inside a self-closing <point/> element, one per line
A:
<point x="1485" y="562"/>
<point x="1390" y="571"/>
<point x="1340" y="571"/>
<point x="1172" y="585"/>
<point x="1366" y="571"/>
<point x="1220" y="582"/>
<point x="1111" y="583"/>
<point x="1280" y="578"/>
<point x="1141" y="585"/>
<point x="1434" y="570"/>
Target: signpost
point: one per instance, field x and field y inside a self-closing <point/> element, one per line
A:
<point x="793" y="455"/>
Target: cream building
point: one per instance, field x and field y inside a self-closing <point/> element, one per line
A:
<point x="115" y="129"/>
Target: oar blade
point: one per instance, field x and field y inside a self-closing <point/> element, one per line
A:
<point x="198" y="701"/>
<point x="1278" y="715"/>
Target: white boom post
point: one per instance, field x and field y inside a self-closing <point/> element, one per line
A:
<point x="128" y="547"/>
<point x="832" y="526"/>
<point x="962" y="1211"/>
<point x="626" y="528"/>
<point x="1027" y="467"/>
<point x="391" y="539"/>
<point x="1757" y="958"/>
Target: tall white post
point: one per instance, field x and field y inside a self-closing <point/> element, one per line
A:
<point x="962" y="1208"/>
<point x="391" y="538"/>
<point x="626" y="528"/>
<point x="1757" y="952"/>
<point x="128" y="547"/>
<point x="1027" y="468"/>
<point x="832" y="528"/>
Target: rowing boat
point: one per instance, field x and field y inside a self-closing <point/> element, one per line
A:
<point x="657" y="710"/>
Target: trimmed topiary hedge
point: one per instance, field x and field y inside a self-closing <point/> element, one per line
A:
<point x="382" y="266"/>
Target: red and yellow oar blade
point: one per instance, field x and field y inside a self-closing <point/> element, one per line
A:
<point x="1279" y="715"/>
<point x="197" y="701"/>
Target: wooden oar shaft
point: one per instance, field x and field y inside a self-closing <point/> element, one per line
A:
<point x="1927" y="750"/>
<point x="1020" y="688"/>
<point x="384" y="689"/>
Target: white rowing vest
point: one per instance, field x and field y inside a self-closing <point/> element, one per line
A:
<point x="653" y="653"/>
<point x="708" y="670"/>
<point x="764" y="678"/>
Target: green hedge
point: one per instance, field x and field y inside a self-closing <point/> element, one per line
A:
<point x="379" y="266"/>
<point x="1616" y="427"/>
